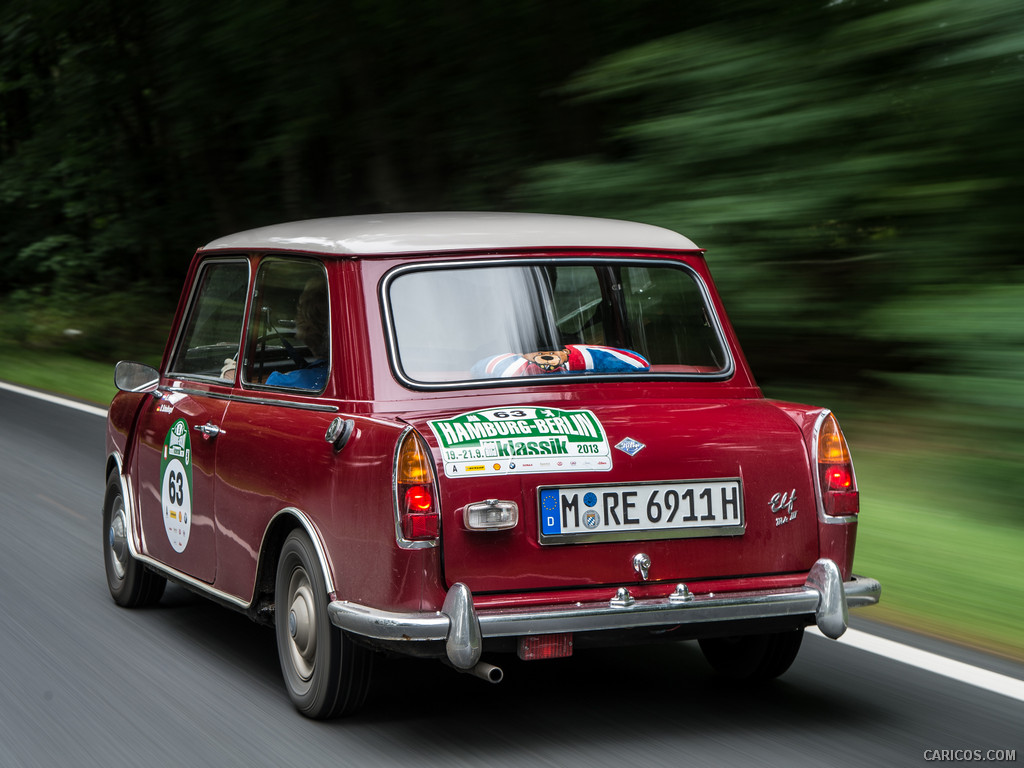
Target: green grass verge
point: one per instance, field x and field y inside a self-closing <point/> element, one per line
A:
<point x="59" y="373"/>
<point x="948" y="565"/>
<point x="947" y="552"/>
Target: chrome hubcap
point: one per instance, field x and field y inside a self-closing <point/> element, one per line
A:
<point x="117" y="540"/>
<point x="302" y="624"/>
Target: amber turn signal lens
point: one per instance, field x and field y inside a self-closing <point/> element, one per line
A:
<point x="832" y="448"/>
<point x="413" y="462"/>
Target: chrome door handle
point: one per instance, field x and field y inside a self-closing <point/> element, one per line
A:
<point x="208" y="430"/>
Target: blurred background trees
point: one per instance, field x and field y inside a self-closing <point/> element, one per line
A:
<point x="853" y="166"/>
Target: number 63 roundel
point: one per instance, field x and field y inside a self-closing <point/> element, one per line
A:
<point x="176" y="485"/>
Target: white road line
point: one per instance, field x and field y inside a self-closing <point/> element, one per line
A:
<point x="890" y="649"/>
<point x="85" y="408"/>
<point x="933" y="662"/>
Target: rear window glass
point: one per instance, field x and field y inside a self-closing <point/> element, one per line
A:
<point x="533" y="320"/>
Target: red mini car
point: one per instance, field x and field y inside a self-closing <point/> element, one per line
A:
<point x="459" y="435"/>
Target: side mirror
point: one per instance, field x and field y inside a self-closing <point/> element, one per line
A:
<point x="136" y="377"/>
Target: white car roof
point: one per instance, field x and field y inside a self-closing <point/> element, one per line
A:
<point x="435" y="232"/>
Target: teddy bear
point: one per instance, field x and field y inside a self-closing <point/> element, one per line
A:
<point x="573" y="358"/>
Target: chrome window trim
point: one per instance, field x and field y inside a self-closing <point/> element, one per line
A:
<point x="237" y="398"/>
<point x="391" y="341"/>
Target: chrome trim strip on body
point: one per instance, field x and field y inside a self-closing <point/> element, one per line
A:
<point x="391" y="340"/>
<point x="250" y="399"/>
<point x="821" y="597"/>
<point x="818" y="493"/>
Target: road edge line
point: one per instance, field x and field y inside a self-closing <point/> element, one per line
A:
<point x="95" y="410"/>
<point x="932" y="662"/>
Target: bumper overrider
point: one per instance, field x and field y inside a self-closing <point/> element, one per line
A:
<point x="462" y="627"/>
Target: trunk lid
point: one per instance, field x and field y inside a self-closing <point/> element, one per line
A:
<point x="737" y="470"/>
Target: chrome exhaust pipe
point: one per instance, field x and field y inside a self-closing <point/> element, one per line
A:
<point x="488" y="672"/>
<point x="481" y="669"/>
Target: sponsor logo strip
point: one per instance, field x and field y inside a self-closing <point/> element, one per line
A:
<point x="522" y="441"/>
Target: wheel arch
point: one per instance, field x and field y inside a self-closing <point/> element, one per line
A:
<point x="283" y="523"/>
<point x="115" y="468"/>
<point x="113" y="465"/>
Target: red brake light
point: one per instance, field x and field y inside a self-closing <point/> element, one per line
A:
<point x="418" y="498"/>
<point x="839" y="479"/>
<point x="836" y="479"/>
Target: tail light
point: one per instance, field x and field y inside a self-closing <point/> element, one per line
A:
<point x="836" y="480"/>
<point x="417" y="516"/>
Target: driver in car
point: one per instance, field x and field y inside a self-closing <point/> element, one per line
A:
<point x="311" y="329"/>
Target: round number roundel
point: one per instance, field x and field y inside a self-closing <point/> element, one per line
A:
<point x="176" y="485"/>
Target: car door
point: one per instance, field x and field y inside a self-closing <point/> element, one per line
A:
<point x="176" y="461"/>
<point x="272" y="455"/>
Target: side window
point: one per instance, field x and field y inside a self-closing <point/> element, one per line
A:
<point x="288" y="343"/>
<point x="213" y="326"/>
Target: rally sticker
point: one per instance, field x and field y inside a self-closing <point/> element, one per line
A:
<point x="499" y="441"/>
<point x="176" y="486"/>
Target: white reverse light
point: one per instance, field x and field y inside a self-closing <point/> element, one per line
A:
<point x="491" y="515"/>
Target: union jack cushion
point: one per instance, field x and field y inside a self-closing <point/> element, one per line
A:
<point x="570" y="359"/>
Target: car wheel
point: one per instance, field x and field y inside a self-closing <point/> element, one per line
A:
<point x="131" y="584"/>
<point x="752" y="657"/>
<point x="326" y="673"/>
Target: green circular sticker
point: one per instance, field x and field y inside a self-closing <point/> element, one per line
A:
<point x="176" y="485"/>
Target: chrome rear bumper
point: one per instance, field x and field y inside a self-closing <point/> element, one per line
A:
<point x="463" y="627"/>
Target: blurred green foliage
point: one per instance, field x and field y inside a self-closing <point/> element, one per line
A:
<point x="855" y="171"/>
<point x="853" y="166"/>
<point x="95" y="326"/>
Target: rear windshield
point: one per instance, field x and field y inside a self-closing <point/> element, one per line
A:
<point x="542" y="321"/>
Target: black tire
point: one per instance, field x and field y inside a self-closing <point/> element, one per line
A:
<point x="326" y="674"/>
<point x="131" y="584"/>
<point x="752" y="657"/>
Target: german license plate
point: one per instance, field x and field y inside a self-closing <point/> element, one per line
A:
<point x="582" y="513"/>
